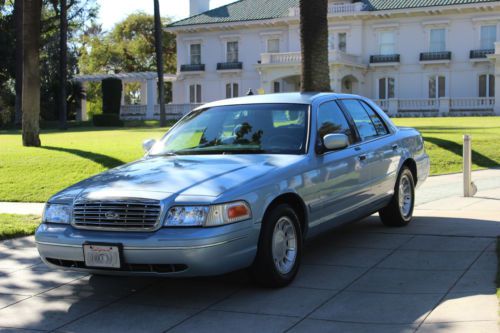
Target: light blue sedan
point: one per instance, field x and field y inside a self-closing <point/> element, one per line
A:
<point x="239" y="183"/>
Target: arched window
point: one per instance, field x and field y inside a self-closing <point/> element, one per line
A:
<point x="386" y="87"/>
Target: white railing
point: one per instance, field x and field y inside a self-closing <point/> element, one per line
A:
<point x="472" y="103"/>
<point x="382" y="103"/>
<point x="424" y="104"/>
<point x="334" y="9"/>
<point x="295" y="58"/>
<point x="139" y="112"/>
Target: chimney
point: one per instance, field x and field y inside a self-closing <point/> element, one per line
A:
<point x="198" y="6"/>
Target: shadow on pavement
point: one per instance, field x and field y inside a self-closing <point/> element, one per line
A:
<point x="363" y="277"/>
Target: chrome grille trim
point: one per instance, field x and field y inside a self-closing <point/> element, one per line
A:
<point x="132" y="215"/>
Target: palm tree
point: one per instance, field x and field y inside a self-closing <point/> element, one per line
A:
<point x="32" y="12"/>
<point x="63" y="63"/>
<point x="314" y="45"/>
<point x="159" y="62"/>
<point x="18" y="13"/>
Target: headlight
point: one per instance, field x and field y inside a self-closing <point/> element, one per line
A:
<point x="208" y="216"/>
<point x="56" y="213"/>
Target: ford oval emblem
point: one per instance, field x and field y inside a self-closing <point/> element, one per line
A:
<point x="111" y="215"/>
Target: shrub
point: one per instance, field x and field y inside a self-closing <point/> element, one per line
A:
<point x="111" y="95"/>
<point x="107" y="120"/>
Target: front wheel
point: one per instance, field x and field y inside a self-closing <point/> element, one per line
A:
<point x="399" y="211"/>
<point x="280" y="248"/>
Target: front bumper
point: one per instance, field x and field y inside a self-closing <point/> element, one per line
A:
<point x="179" y="252"/>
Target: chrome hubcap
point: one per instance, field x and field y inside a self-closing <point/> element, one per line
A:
<point x="405" y="196"/>
<point x="284" y="245"/>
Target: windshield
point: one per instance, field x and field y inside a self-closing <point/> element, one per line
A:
<point x="239" y="129"/>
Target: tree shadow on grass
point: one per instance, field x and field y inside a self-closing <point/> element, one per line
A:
<point x="104" y="160"/>
<point x="457" y="149"/>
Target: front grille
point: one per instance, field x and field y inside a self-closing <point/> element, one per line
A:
<point x="117" y="215"/>
<point x="139" y="268"/>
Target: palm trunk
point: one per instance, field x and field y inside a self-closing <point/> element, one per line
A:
<point x="32" y="11"/>
<point x="18" y="13"/>
<point x="63" y="64"/>
<point x="314" y="45"/>
<point x="159" y="62"/>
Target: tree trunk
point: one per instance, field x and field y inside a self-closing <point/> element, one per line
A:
<point x="18" y="13"/>
<point x="314" y="46"/>
<point x="159" y="62"/>
<point x="63" y="63"/>
<point x="32" y="11"/>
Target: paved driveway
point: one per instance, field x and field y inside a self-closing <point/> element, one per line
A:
<point x="437" y="275"/>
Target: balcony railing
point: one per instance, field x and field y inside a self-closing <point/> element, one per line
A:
<point x="223" y="66"/>
<point x="435" y="56"/>
<point x="295" y="58"/>
<point x="478" y="54"/>
<point x="473" y="105"/>
<point x="193" y="68"/>
<point x="335" y="9"/>
<point x="139" y="112"/>
<point x="381" y="58"/>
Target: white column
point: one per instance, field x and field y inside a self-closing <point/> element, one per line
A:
<point x="392" y="108"/>
<point x="81" y="115"/>
<point x="123" y="93"/>
<point x="144" y="93"/>
<point x="444" y="106"/>
<point x="496" y="60"/>
<point x="151" y="100"/>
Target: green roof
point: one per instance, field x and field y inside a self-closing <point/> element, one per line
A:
<point x="252" y="10"/>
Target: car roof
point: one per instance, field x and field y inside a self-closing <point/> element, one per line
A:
<point x="278" y="98"/>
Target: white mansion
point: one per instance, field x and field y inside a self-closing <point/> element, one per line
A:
<point x="411" y="56"/>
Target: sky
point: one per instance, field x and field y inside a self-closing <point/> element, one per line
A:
<point x="113" y="11"/>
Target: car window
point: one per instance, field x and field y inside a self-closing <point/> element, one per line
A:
<point x="362" y="120"/>
<point x="377" y="121"/>
<point x="332" y="120"/>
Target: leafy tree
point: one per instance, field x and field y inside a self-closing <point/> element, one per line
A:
<point x="128" y="47"/>
<point x="314" y="45"/>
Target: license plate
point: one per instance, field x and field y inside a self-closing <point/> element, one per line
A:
<point x="101" y="256"/>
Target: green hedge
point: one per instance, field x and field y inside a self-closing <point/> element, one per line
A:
<point x="107" y="120"/>
<point x="111" y="96"/>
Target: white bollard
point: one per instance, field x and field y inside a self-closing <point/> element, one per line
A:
<point x="469" y="187"/>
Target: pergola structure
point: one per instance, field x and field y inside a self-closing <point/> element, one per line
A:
<point x="149" y="89"/>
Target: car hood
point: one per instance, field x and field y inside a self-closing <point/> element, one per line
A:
<point x="160" y="177"/>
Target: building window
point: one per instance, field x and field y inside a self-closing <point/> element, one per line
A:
<point x="437" y="86"/>
<point x="486" y="85"/>
<point x="276" y="87"/>
<point x="195" y="94"/>
<point x="273" y="45"/>
<point x="386" y="88"/>
<point x="488" y="37"/>
<point x="342" y="42"/>
<point x="387" y="42"/>
<point x="232" y="52"/>
<point x="195" y="54"/>
<point x="232" y="90"/>
<point x="337" y="41"/>
<point x="437" y="40"/>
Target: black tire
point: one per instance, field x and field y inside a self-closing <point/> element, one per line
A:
<point x="393" y="215"/>
<point x="264" y="269"/>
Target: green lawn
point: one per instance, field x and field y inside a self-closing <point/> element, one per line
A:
<point x="33" y="174"/>
<point x="12" y="225"/>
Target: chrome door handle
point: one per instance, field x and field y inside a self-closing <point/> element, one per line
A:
<point x="362" y="157"/>
<point x="395" y="147"/>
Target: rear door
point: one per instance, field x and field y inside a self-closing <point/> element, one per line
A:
<point x="378" y="152"/>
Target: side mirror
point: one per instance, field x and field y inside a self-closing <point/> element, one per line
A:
<point x="335" y="141"/>
<point x="148" y="144"/>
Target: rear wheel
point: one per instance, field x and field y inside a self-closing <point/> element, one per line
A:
<point x="280" y="248"/>
<point x="399" y="211"/>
